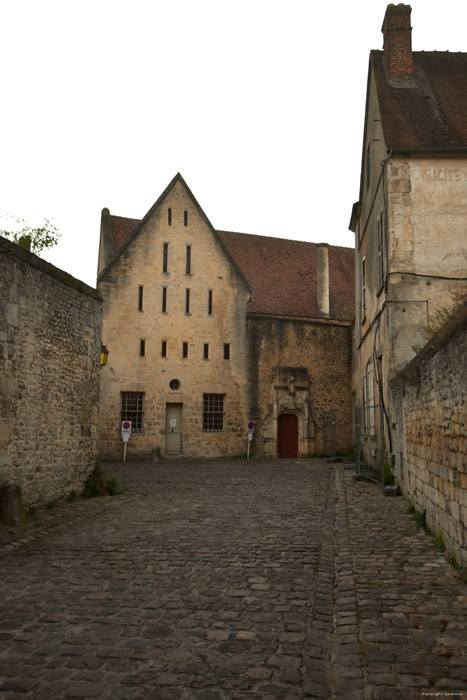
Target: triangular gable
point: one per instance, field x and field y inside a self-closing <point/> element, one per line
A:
<point x="139" y="226"/>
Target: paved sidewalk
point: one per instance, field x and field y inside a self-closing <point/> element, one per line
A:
<point x="231" y="580"/>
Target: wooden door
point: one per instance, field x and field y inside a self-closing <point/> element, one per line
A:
<point x="173" y="429"/>
<point x="287" y="435"/>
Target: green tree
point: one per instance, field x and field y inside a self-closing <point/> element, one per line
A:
<point x="35" y="239"/>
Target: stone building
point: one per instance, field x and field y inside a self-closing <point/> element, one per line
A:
<point x="50" y="333"/>
<point x="210" y="329"/>
<point x="410" y="222"/>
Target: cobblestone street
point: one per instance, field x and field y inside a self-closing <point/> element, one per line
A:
<point x="231" y="580"/>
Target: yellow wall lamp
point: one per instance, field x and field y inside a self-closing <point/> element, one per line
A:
<point x="104" y="355"/>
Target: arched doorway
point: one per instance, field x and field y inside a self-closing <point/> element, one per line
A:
<point x="287" y="435"/>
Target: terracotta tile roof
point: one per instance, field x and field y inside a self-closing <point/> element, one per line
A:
<point x="281" y="273"/>
<point x="283" y="279"/>
<point x="121" y="229"/>
<point x="433" y="113"/>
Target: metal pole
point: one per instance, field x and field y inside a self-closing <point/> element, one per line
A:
<point x="124" y="451"/>
<point x="357" y="438"/>
<point x="248" y="451"/>
<point x="333" y="434"/>
<point x="381" y="441"/>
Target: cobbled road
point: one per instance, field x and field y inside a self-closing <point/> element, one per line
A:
<point x="230" y="580"/>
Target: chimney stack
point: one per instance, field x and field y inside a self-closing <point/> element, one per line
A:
<point x="322" y="265"/>
<point x="397" y="33"/>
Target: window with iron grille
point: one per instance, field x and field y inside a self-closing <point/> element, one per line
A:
<point x="132" y="405"/>
<point x="213" y="412"/>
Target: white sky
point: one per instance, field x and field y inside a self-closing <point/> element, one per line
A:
<point x="258" y="103"/>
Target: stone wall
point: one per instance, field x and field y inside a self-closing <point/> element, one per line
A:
<point x="430" y="442"/>
<point x="165" y="376"/>
<point x="300" y="367"/>
<point x="50" y="332"/>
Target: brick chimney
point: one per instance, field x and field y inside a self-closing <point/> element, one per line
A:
<point x="322" y="266"/>
<point x="397" y="33"/>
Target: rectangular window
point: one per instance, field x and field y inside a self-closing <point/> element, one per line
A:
<point x="165" y="258"/>
<point x="210" y="302"/>
<point x="185" y="218"/>
<point x="188" y="260"/>
<point x="164" y="300"/>
<point x="164" y="348"/>
<point x="185" y="350"/>
<point x="371" y="398"/>
<point x="132" y="403"/>
<point x="206" y="351"/>
<point x="226" y="351"/>
<point x="364" y="403"/>
<point x="213" y="412"/>
<point x="142" y="348"/>
<point x="140" y="298"/>
<point x="363" y="289"/>
<point x="368" y="174"/>
<point x="380" y="252"/>
<point x="169" y="217"/>
<point x="187" y="301"/>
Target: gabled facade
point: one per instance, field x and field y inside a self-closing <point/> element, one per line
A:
<point x="410" y="222"/>
<point x="208" y="330"/>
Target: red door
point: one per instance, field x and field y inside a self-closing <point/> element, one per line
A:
<point x="287" y="443"/>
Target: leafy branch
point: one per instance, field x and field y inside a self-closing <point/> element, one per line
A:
<point x="33" y="238"/>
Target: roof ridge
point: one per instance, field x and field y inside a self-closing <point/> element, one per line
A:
<point x="288" y="240"/>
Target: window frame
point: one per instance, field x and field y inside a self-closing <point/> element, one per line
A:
<point x="363" y="287"/>
<point x="213" y="413"/>
<point x="134" y="413"/>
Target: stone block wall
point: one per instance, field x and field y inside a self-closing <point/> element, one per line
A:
<point x="50" y="332"/>
<point x="299" y="366"/>
<point x="129" y="319"/>
<point x="430" y="444"/>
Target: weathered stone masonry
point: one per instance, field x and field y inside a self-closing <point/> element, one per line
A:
<point x="431" y="433"/>
<point x="50" y="332"/>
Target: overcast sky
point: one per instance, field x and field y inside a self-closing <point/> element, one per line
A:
<point x="259" y="105"/>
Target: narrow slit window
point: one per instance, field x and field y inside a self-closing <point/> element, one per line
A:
<point x="169" y="217"/>
<point x="185" y="218"/>
<point x="165" y="258"/>
<point x="206" y="351"/>
<point x="164" y="348"/>
<point x="142" y="348"/>
<point x="140" y="298"/>
<point x="226" y="351"/>
<point x="188" y="260"/>
<point x="185" y="350"/>
<point x="187" y="301"/>
<point x="210" y="302"/>
<point x="164" y="300"/>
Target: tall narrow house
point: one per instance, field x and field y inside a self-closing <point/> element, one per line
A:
<point x="410" y="222"/>
<point x="209" y="331"/>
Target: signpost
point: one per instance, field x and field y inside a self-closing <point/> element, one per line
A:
<point x="251" y="430"/>
<point x="126" y="432"/>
